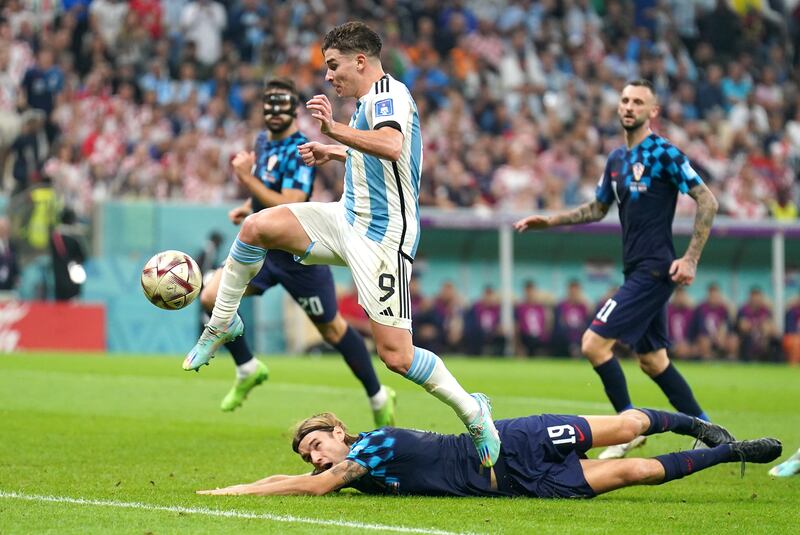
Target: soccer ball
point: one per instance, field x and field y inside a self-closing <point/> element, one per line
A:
<point x="171" y="280"/>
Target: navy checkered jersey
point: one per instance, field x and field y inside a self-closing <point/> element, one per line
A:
<point x="406" y="461"/>
<point x="645" y="181"/>
<point x="279" y="165"/>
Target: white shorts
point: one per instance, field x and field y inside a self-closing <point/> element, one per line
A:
<point x="381" y="274"/>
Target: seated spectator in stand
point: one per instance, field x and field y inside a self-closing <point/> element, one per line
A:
<point x="483" y="332"/>
<point x="757" y="330"/>
<point x="426" y="320"/>
<point x="352" y="312"/>
<point x="791" y="338"/>
<point x="712" y="329"/>
<point x="571" y="320"/>
<point x="450" y="307"/>
<point x="9" y="266"/>
<point x="534" y="322"/>
<point x="679" y="319"/>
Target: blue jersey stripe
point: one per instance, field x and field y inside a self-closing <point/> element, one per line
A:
<point x="349" y="194"/>
<point x="378" y="205"/>
<point x="416" y="160"/>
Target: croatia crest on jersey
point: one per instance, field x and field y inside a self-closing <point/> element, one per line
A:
<point x="384" y="108"/>
<point x="638" y="171"/>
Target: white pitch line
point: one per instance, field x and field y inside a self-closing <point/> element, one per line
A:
<point x="228" y="514"/>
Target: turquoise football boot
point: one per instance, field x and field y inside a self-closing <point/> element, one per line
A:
<point x="210" y="341"/>
<point x="789" y="467"/>
<point x="484" y="433"/>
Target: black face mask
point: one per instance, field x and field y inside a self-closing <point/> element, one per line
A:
<point x="279" y="104"/>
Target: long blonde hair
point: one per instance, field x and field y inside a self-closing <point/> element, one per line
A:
<point x="320" y="422"/>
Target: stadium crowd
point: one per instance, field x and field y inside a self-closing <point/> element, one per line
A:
<point x="110" y="99"/>
<point x="148" y="98"/>
<point x="712" y="329"/>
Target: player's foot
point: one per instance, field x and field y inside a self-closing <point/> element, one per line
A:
<point x="385" y="415"/>
<point x="789" y="467"/>
<point x="483" y="432"/>
<point x="210" y="341"/>
<point x="711" y="435"/>
<point x="761" y="450"/>
<point x="234" y="399"/>
<point x="619" y="451"/>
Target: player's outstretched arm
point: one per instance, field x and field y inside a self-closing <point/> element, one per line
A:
<point x="385" y="143"/>
<point x="683" y="269"/>
<point x="586" y="213"/>
<point x="330" y="480"/>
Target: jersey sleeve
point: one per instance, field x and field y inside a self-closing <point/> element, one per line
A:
<point x="389" y="108"/>
<point x="681" y="171"/>
<point x="605" y="192"/>
<point x="298" y="175"/>
<point x="372" y="450"/>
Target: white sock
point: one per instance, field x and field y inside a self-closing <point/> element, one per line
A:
<point x="429" y="371"/>
<point x="236" y="276"/>
<point x="243" y="371"/>
<point x="379" y="399"/>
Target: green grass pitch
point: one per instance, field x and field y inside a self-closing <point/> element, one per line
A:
<point x="135" y="436"/>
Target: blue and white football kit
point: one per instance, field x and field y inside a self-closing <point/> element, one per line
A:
<point x="374" y="228"/>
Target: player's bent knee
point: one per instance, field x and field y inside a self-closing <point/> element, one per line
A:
<point x="395" y="360"/>
<point x="630" y="428"/>
<point x="332" y="331"/>
<point x="595" y="348"/>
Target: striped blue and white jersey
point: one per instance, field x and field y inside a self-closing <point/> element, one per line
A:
<point x="381" y="198"/>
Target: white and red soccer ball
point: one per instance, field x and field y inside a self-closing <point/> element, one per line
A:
<point x="171" y="280"/>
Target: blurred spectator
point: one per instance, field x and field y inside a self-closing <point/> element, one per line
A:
<point x="203" y="22"/>
<point x="29" y="150"/>
<point x="352" y="312"/>
<point x="449" y="304"/>
<point x="679" y="318"/>
<point x="571" y="320"/>
<point x="791" y="338"/>
<point x="9" y="265"/>
<point x="68" y="256"/>
<point x="757" y="330"/>
<point x="712" y="329"/>
<point x="427" y="321"/>
<point x="483" y="333"/>
<point x="41" y="85"/>
<point x="534" y="321"/>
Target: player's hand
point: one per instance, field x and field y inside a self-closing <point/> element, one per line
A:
<point x="321" y="110"/>
<point x="243" y="163"/>
<point x="683" y="271"/>
<point x="532" y="222"/>
<point x="314" y="153"/>
<point x="238" y="214"/>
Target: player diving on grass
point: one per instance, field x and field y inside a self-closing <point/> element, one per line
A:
<point x="275" y="175"/>
<point x="374" y="228"/>
<point x="644" y="178"/>
<point x="543" y="457"/>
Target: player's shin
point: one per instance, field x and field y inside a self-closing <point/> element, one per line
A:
<point x="242" y="264"/>
<point x="428" y="371"/>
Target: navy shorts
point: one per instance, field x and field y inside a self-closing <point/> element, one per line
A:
<point x="541" y="455"/>
<point x="637" y="314"/>
<point x="311" y="286"/>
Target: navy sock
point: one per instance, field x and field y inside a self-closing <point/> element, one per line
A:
<point x="663" y="421"/>
<point x="355" y="354"/>
<point x="683" y="463"/>
<point x="678" y="392"/>
<point x="615" y="385"/>
<point x="240" y="351"/>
